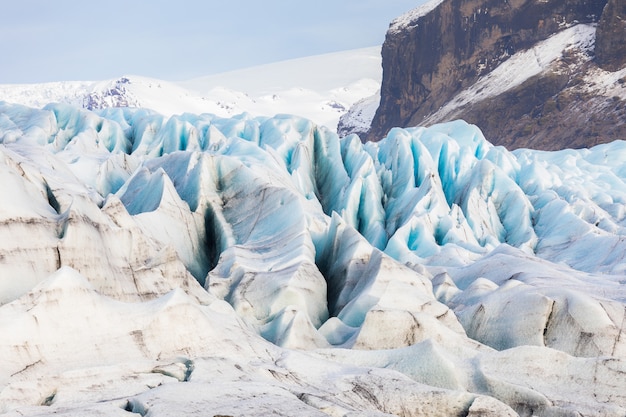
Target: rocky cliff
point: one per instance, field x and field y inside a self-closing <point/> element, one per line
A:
<point x="524" y="71"/>
<point x="611" y="36"/>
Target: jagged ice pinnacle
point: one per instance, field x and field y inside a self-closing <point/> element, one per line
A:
<point x="431" y="253"/>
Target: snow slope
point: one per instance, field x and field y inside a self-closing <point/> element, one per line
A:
<point x="300" y="86"/>
<point x="253" y="265"/>
<point x="402" y="22"/>
<point x="522" y="66"/>
<point x="528" y="63"/>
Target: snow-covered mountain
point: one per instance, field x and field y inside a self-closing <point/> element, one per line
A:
<point x="531" y="74"/>
<point x="198" y="265"/>
<point x="303" y="86"/>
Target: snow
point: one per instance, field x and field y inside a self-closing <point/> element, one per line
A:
<point x="411" y="17"/>
<point x="359" y="117"/>
<point x="606" y="83"/>
<point x="266" y="79"/>
<point x="281" y="88"/>
<point x="174" y="265"/>
<point x="532" y="61"/>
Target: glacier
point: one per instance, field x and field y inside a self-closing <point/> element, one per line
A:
<point x="196" y="264"/>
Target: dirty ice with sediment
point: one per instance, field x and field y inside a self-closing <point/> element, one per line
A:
<point x="256" y="265"/>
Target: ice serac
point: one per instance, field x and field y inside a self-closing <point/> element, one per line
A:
<point x="427" y="273"/>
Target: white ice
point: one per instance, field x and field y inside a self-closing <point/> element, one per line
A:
<point x="171" y="265"/>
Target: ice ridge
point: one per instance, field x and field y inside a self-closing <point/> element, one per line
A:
<point x="431" y="240"/>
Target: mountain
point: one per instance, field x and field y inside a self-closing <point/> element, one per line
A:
<point x="199" y="265"/>
<point x="321" y="88"/>
<point x="539" y="74"/>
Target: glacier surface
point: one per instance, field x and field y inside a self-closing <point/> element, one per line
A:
<point x="252" y="265"/>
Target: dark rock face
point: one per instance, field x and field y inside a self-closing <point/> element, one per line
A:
<point x="548" y="112"/>
<point x="611" y="36"/>
<point x="430" y="60"/>
<point x="115" y="95"/>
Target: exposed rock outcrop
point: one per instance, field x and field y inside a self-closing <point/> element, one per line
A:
<point x="435" y="57"/>
<point x="611" y="36"/>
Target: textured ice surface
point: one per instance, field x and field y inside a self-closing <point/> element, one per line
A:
<point x="253" y="265"/>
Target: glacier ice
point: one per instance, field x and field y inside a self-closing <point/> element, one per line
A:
<point x="429" y="273"/>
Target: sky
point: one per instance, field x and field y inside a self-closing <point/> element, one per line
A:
<point x="63" y="40"/>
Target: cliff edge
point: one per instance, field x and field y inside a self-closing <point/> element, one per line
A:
<point x="530" y="73"/>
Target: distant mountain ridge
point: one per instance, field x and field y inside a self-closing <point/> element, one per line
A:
<point x="320" y="88"/>
<point x="452" y="59"/>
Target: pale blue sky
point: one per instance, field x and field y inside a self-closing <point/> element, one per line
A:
<point x="42" y="40"/>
